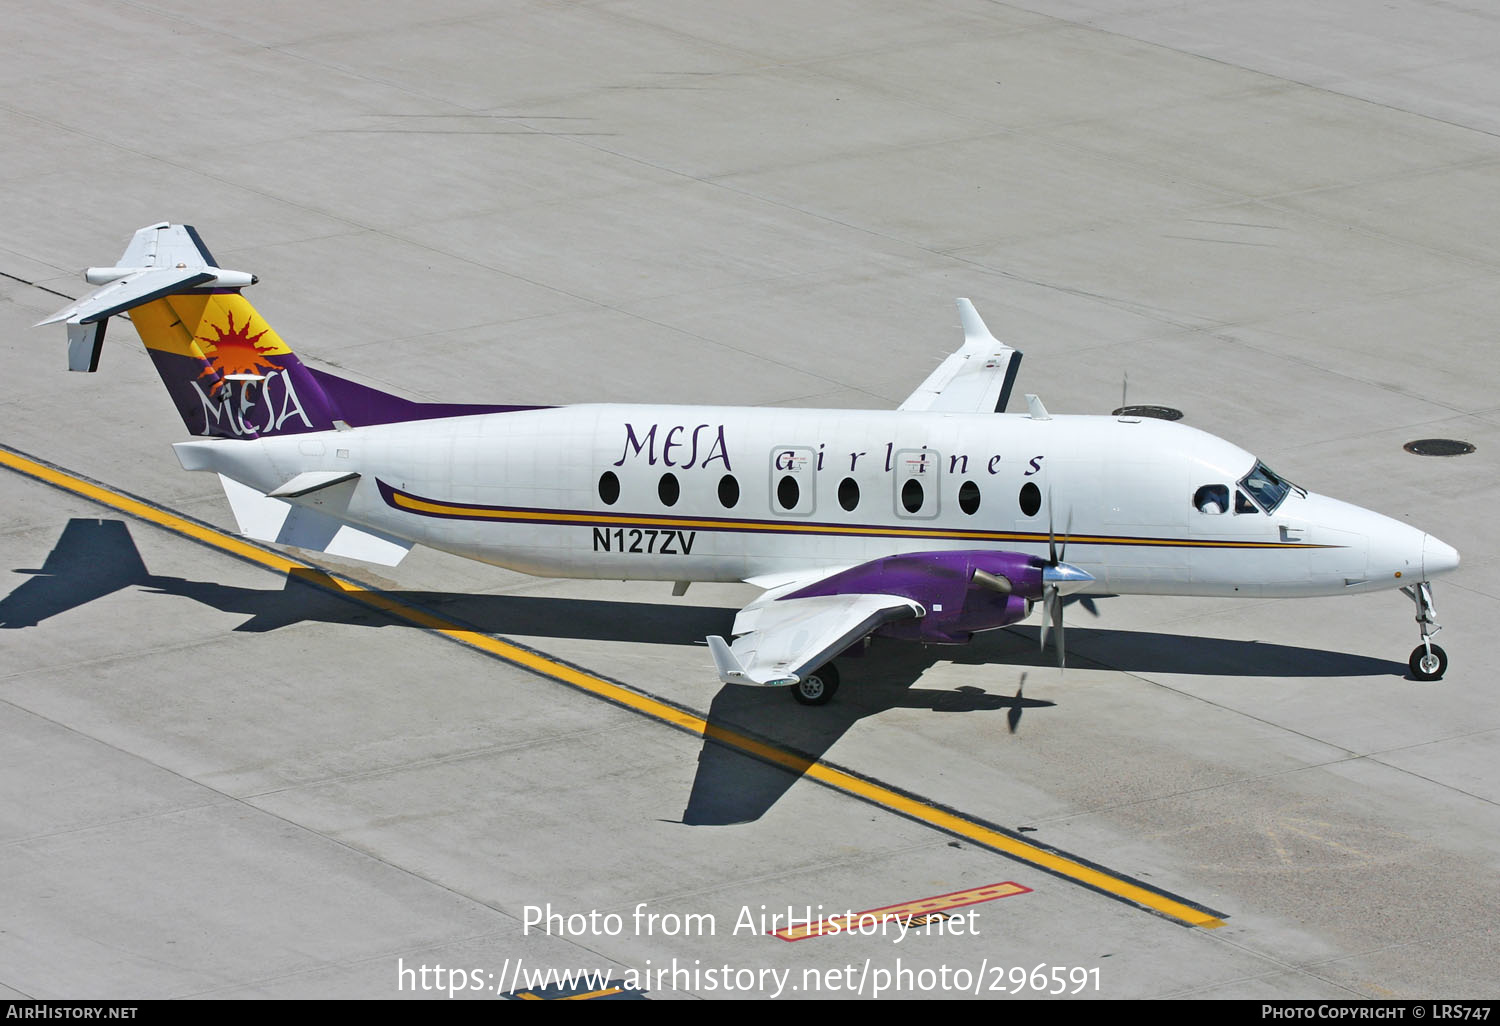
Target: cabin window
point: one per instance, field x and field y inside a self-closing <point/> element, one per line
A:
<point x="849" y="494"/>
<point x="917" y="482"/>
<point x="1212" y="499"/>
<point x="1031" y="498"/>
<point x="729" y="491"/>
<point x="668" y="490"/>
<point x="787" y="492"/>
<point x="794" y="480"/>
<point x="609" y="488"/>
<point x="911" y="495"/>
<point x="968" y="497"/>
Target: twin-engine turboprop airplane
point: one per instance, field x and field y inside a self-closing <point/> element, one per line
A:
<point x="930" y="522"/>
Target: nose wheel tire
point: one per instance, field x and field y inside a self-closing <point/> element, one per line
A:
<point x="1428" y="665"/>
<point x="817" y="687"/>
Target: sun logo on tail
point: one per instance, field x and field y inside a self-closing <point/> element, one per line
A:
<point x="234" y="351"/>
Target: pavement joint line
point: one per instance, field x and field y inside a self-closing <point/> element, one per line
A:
<point x="905" y="804"/>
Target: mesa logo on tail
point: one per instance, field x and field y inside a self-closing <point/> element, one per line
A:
<point x="202" y="342"/>
<point x="237" y="352"/>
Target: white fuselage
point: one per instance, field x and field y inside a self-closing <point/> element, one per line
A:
<point x="702" y="494"/>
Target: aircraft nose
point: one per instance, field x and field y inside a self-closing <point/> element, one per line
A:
<point x="1437" y="557"/>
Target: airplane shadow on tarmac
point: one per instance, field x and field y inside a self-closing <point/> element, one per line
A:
<point x="95" y="558"/>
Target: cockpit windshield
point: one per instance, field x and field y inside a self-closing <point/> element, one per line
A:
<point x="1267" y="488"/>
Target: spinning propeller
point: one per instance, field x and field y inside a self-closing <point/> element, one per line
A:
<point x="1058" y="579"/>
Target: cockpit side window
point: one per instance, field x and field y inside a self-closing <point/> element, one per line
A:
<point x="1266" y="487"/>
<point x="1242" y="503"/>
<point x="1212" y="499"/>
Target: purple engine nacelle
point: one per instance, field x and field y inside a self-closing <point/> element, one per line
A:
<point x="963" y="592"/>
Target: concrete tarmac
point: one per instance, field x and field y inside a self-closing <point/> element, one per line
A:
<point x="218" y="781"/>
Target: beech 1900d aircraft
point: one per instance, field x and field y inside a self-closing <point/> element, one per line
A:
<point x="930" y="522"/>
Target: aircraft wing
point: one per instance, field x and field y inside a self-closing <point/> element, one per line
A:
<point x="785" y="639"/>
<point x="976" y="379"/>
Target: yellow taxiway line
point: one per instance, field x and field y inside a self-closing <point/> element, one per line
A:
<point x="910" y="806"/>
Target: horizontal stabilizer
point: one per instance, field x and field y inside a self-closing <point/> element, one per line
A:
<point x="161" y="260"/>
<point x="135" y="288"/>
<point x="276" y="520"/>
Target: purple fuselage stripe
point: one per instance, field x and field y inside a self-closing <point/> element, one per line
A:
<point x="360" y="405"/>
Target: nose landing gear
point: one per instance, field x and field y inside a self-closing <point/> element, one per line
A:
<point x="1428" y="661"/>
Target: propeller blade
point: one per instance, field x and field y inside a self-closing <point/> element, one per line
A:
<point x="1057" y="621"/>
<point x="1055" y="553"/>
<point x="1058" y="578"/>
<point x="1051" y="534"/>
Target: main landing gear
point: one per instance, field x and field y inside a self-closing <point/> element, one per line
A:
<point x="1428" y="661"/>
<point x="817" y="687"/>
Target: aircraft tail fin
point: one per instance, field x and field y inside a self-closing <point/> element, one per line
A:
<point x="228" y="372"/>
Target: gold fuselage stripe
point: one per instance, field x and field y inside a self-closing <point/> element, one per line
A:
<point x="429" y="507"/>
